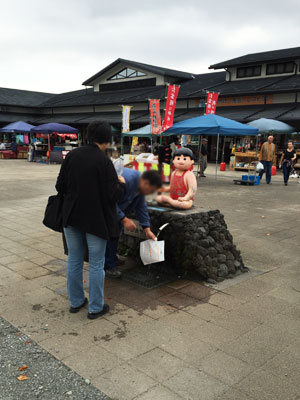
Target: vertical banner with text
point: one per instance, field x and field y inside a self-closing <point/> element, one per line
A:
<point x="155" y="117"/>
<point x="126" y="118"/>
<point x="170" y="106"/>
<point x="211" y="103"/>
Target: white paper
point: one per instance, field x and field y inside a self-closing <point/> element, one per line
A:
<point x="152" y="251"/>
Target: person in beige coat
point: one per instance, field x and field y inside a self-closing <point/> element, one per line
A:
<point x="267" y="156"/>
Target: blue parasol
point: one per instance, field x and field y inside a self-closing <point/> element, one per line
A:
<point x="211" y="125"/>
<point x="53" y="127"/>
<point x="17" y="127"/>
<point x="266" y="125"/>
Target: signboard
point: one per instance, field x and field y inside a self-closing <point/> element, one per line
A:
<point x="126" y="118"/>
<point x="170" y="107"/>
<point x="211" y="103"/>
<point x="155" y="117"/>
<point x="245" y="100"/>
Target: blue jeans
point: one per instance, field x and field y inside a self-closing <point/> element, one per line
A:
<point x="111" y="253"/>
<point x="76" y="242"/>
<point x="268" y="170"/>
<point x="286" y="172"/>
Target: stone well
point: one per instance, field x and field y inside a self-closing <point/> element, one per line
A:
<point x="197" y="243"/>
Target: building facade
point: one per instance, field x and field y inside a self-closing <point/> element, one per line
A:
<point x="251" y="87"/>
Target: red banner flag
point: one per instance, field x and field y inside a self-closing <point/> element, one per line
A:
<point x="211" y="104"/>
<point x="155" y="117"/>
<point x="170" y="107"/>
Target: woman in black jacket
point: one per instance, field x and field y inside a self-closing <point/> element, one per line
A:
<point x="91" y="189"/>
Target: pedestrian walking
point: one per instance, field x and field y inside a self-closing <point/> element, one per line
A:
<point x="267" y="156"/>
<point x="91" y="189"/>
<point x="287" y="161"/>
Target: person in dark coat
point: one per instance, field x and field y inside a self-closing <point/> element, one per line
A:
<point x="91" y="189"/>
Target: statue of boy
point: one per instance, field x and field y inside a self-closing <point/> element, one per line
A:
<point x="183" y="185"/>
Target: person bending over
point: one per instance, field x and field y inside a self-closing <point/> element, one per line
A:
<point x="133" y="201"/>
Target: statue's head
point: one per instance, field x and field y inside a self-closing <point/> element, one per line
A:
<point x="183" y="159"/>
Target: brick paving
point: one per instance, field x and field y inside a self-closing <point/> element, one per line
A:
<point x="241" y="341"/>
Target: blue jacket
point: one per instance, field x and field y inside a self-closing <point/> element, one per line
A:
<point x="132" y="200"/>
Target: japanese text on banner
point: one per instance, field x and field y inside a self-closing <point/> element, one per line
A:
<point x="170" y="106"/>
<point x="211" y="104"/>
<point x="126" y="118"/>
<point x="155" y="117"/>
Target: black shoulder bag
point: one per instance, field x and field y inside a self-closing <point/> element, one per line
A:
<point x="53" y="217"/>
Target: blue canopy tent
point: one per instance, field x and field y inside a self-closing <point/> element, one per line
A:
<point x="17" y="127"/>
<point x="145" y="131"/>
<point x="211" y="125"/>
<point x="53" y="127"/>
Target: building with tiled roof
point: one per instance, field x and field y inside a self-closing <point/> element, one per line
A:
<point x="251" y="86"/>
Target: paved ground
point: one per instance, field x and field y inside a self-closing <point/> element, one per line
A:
<point x="238" y="340"/>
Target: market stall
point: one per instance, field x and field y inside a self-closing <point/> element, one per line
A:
<point x="141" y="156"/>
<point x="273" y="127"/>
<point x="50" y="143"/>
<point x="14" y="140"/>
<point x="211" y="125"/>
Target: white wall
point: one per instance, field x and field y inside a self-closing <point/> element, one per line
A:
<point x="104" y="78"/>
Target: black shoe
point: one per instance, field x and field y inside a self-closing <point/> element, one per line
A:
<point x="203" y="176"/>
<point x="104" y="311"/>
<point x="285" y="184"/>
<point x="74" y="310"/>
<point x="119" y="262"/>
<point x="113" y="273"/>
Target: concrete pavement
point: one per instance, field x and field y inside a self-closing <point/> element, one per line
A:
<point x="236" y="340"/>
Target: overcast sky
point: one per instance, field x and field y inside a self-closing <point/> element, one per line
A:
<point x="55" y="45"/>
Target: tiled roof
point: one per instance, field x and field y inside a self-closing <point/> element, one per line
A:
<point x="27" y="98"/>
<point x="85" y="97"/>
<point x="147" y="67"/>
<point x="259" y="85"/>
<point x="255" y="58"/>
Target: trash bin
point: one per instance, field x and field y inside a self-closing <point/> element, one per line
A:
<point x="223" y="166"/>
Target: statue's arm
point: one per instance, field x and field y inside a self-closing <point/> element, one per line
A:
<point x="191" y="184"/>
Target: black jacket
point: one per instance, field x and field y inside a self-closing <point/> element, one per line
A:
<point x="91" y="189"/>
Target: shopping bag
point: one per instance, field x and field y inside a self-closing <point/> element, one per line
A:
<point x="259" y="167"/>
<point x="152" y="251"/>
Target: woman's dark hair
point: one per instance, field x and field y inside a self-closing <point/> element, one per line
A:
<point x="99" y="132"/>
<point x="184" y="151"/>
<point x="153" y="178"/>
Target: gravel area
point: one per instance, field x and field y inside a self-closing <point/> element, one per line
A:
<point x="48" y="378"/>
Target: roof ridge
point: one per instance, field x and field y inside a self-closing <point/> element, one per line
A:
<point x="151" y="68"/>
<point x="29" y="91"/>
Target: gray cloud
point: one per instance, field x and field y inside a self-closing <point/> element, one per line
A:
<point x="54" y="46"/>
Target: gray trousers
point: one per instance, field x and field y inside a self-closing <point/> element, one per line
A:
<point x="203" y="164"/>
